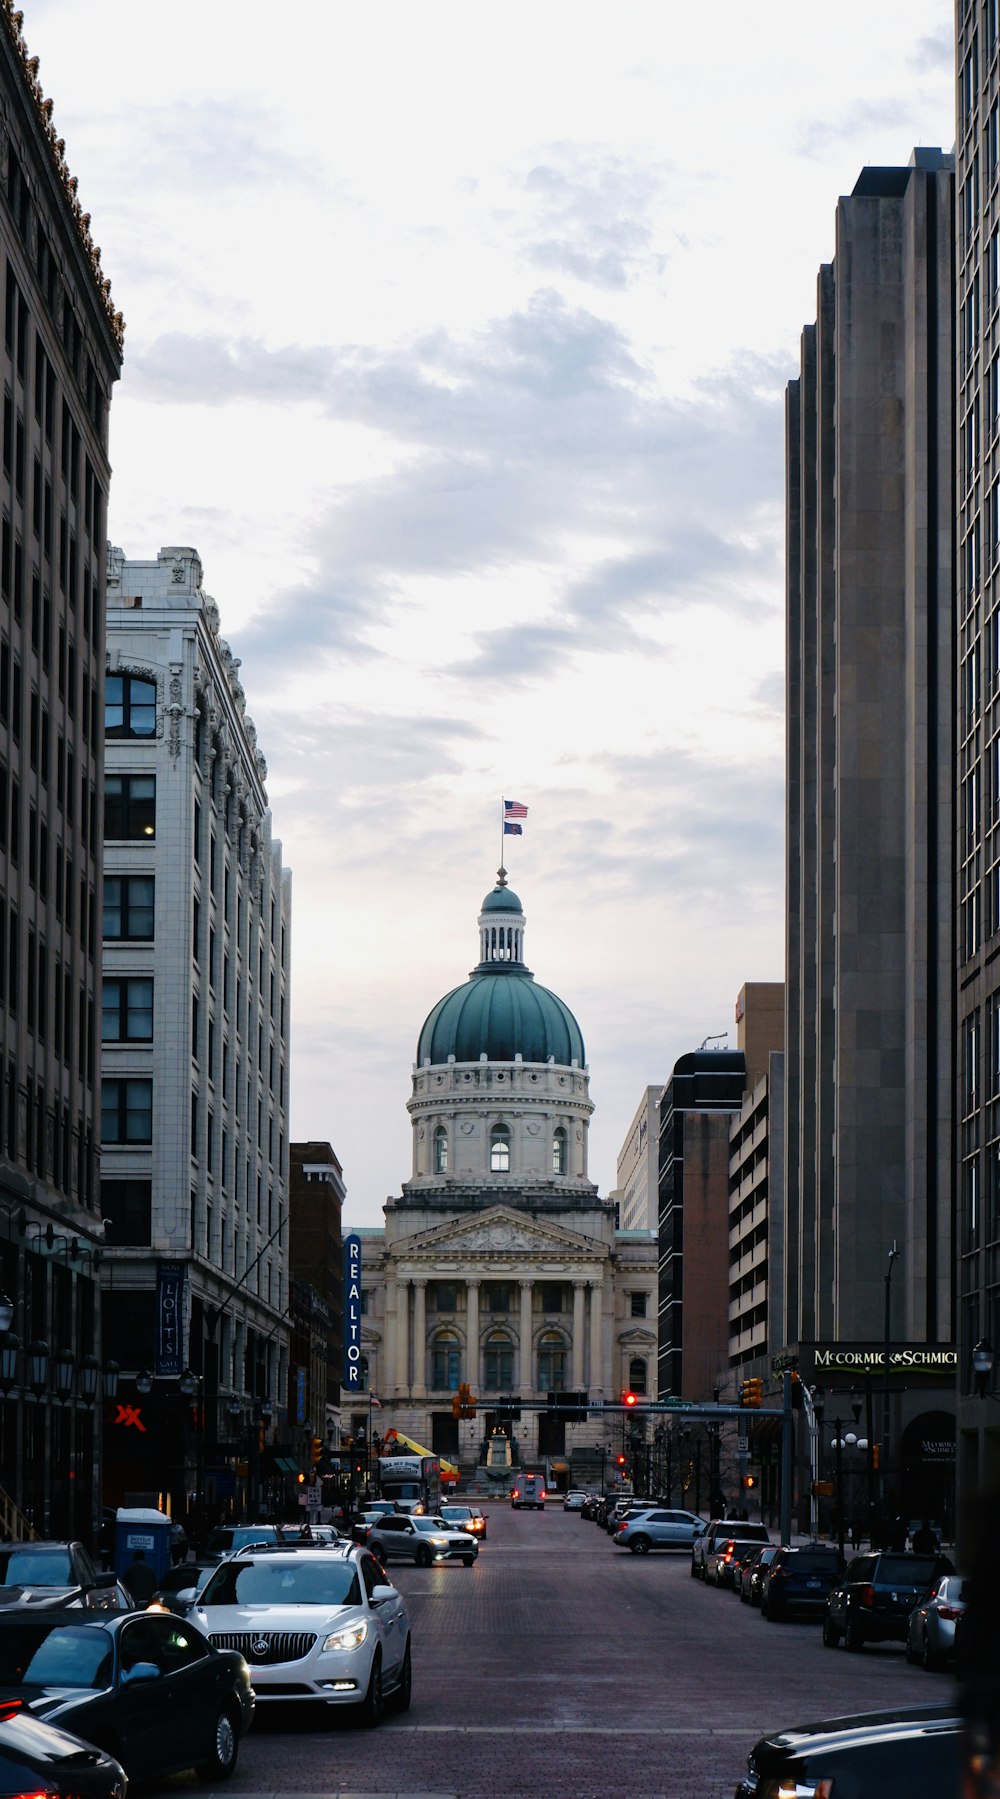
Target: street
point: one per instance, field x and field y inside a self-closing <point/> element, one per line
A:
<point x="562" y="1666"/>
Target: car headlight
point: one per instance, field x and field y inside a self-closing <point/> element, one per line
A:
<point x="440" y="1542"/>
<point x="351" y="1637"/>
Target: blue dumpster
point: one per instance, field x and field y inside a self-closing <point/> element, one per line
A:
<point x="141" y="1528"/>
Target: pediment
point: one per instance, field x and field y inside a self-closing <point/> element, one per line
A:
<point x="499" y="1234"/>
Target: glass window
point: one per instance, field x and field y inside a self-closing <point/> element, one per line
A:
<point x="443" y="1297"/>
<point x="498" y="1297"/>
<point x="440" y="1150"/>
<point x="129" y="707"/>
<point x="127" y="1208"/>
<point x="126" y="1010"/>
<point x="128" y="907"/>
<point x="127" y="1111"/>
<point x="638" y="1305"/>
<point x="129" y="808"/>
<point x="637" y="1375"/>
<point x="559" y="1151"/>
<point x="498" y="1364"/>
<point x="445" y="1363"/>
<point x="552" y="1296"/>
<point x="499" y="1149"/>
<point x="551" y="1363"/>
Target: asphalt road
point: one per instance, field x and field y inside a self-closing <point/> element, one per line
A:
<point x="562" y="1668"/>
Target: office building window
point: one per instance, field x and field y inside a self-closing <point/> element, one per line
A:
<point x="129" y="808"/>
<point x="129" y="707"/>
<point x="638" y="1301"/>
<point x="126" y="1111"/>
<point x="126" y="1010"/>
<point x="128" y="907"/>
<point x="127" y="1208"/>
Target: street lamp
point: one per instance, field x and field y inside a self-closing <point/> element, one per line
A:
<point x="982" y="1367"/>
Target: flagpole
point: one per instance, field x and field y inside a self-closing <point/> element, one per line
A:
<point x="500" y="870"/>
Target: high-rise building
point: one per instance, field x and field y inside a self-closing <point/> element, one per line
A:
<point x="869" y="1028"/>
<point x="316" y="1268"/>
<point x="757" y="1181"/>
<point x="635" y="1186"/>
<point x="977" y="684"/>
<point x="60" y="356"/>
<point x="195" y="1027"/>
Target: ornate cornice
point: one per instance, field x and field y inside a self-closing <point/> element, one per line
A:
<point x="57" y="149"/>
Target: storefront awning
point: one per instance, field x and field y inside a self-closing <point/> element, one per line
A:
<point x="285" y="1465"/>
<point x="396" y="1436"/>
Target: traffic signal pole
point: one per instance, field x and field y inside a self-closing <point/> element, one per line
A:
<point x="787" y="1441"/>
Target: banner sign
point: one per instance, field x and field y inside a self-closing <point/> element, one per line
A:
<point x="167" y="1357"/>
<point x="352" y="1315"/>
<point x="920" y="1361"/>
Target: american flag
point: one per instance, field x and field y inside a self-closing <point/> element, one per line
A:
<point x="514" y="809"/>
<point x="374" y="1400"/>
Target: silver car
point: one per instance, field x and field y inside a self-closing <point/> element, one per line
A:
<point x="313" y="1624"/>
<point x="658" y="1529"/>
<point x="930" y="1631"/>
<point x="423" y="1541"/>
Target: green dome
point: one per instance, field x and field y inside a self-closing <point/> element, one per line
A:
<point x="501" y="900"/>
<point x="502" y="1014"/>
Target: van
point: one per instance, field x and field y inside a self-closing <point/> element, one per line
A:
<point x="529" y="1490"/>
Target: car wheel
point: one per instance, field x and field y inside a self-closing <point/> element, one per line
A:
<point x="764" y="1610"/>
<point x="422" y="1556"/>
<point x="854" y="1637"/>
<point x="373" y="1704"/>
<point x="694" y="1569"/>
<point x="640" y="1546"/>
<point x="831" y="1635"/>
<point x="911" y="1653"/>
<point x="401" y="1697"/>
<point x="225" y="1748"/>
<point x="928" y="1659"/>
<point x="467" y="1561"/>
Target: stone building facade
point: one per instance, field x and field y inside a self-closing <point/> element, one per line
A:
<point x="499" y="1264"/>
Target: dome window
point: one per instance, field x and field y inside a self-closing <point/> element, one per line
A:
<point x="440" y="1150"/>
<point x="559" y="1150"/>
<point x="499" y="1149"/>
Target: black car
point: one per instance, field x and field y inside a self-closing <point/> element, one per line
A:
<point x="798" y="1581"/>
<point x="873" y="1599"/>
<point x="60" y="1573"/>
<point x="147" y="1687"/>
<point x="37" y="1758"/>
<point x="879" y="1755"/>
<point x="753" y="1580"/>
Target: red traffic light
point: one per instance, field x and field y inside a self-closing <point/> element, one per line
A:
<point x="630" y="1399"/>
<point x="620" y="1460"/>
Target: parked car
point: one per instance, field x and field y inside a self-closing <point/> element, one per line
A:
<point x="725" y="1552"/>
<point x="465" y="1517"/>
<point x="931" y="1626"/>
<point x="314" y="1624"/>
<point x="797" y="1581"/>
<point x="872" y="1601"/>
<point x="753" y="1579"/>
<point x="422" y="1541"/>
<point x="878" y="1755"/>
<point x="146" y="1687"/>
<point x="183" y="1578"/>
<point x="528" y="1490"/>
<point x="741" y="1571"/>
<point x="657" y="1529"/>
<point x="363" y="1523"/>
<point x="625" y="1508"/>
<point x="574" y="1500"/>
<point x="722" y="1529"/>
<point x="35" y="1757"/>
<point x="227" y="1537"/>
<point x="57" y="1573"/>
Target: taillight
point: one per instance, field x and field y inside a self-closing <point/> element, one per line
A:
<point x="867" y="1596"/>
<point x="950" y="1611"/>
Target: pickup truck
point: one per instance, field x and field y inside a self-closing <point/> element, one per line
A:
<point x="721" y="1530"/>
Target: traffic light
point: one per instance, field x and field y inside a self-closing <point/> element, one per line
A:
<point x="467" y="1402"/>
<point x="749" y="1481"/>
<point x="317" y="1450"/>
<point x="752" y="1392"/>
<point x="301" y="1479"/>
<point x="620" y="1459"/>
<point x="456" y="1405"/>
<point x="875" y="1454"/>
<point x="629" y="1399"/>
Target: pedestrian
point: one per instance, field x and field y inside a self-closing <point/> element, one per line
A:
<point x="857" y="1531"/>
<point x="898" y="1535"/>
<point x="925" y="1539"/>
<point x="139" y="1579"/>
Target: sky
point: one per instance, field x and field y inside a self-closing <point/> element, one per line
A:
<point x="456" y="343"/>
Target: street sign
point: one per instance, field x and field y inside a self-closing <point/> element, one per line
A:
<point x="743" y="1444"/>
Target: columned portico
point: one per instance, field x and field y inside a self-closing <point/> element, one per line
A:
<point x="596" y="1337"/>
<point x="390" y="1369"/>
<point x="419" y="1338"/>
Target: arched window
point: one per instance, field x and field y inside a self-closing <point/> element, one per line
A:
<point x="551" y="1363"/>
<point x="499" y="1149"/>
<point x="440" y="1150"/>
<point x="446" y="1362"/>
<point x="498" y="1363"/>
<point x="637" y="1376"/>
<point x="559" y="1150"/>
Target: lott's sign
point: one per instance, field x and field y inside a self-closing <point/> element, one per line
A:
<point x="353" y="1382"/>
<point x="168" y="1359"/>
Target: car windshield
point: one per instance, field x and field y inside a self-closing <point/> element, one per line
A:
<point x="429" y="1524"/>
<point x="67" y="1655"/>
<point x="35" y="1567"/>
<point x="455" y="1512"/>
<point x="295" y="1581"/>
<point x="907" y="1570"/>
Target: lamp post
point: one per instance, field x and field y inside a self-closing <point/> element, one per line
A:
<point x="191" y="1387"/>
<point x="982" y="1367"/>
<point x="841" y="1442"/>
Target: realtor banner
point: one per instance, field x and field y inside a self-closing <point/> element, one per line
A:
<point x="353" y="1382"/>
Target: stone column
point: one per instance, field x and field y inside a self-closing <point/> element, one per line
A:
<point x="419" y="1339"/>
<point x="472" y="1334"/>
<point x="596" y="1383"/>
<point x="389" y="1376"/>
<point x="527" y="1380"/>
<point x="579" y="1291"/>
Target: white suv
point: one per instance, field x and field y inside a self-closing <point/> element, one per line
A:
<point x="312" y="1624"/>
